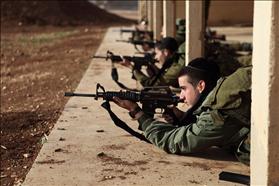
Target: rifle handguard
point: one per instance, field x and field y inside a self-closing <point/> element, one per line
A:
<point x="127" y="95"/>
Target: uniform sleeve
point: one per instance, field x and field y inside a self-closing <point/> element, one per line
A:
<point x="168" y="78"/>
<point x="209" y="130"/>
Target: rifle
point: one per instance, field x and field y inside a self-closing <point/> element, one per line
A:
<point x="151" y="98"/>
<point x="147" y="60"/>
<point x="212" y="35"/>
<point x="136" y="31"/>
<point x="137" y="60"/>
<point x="151" y="44"/>
<point x="140" y="34"/>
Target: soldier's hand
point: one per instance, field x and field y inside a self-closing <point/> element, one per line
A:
<point x="126" y="63"/>
<point x="178" y="114"/>
<point x="126" y="104"/>
<point x="167" y="118"/>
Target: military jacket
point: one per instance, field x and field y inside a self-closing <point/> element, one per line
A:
<point x="168" y="78"/>
<point x="223" y="119"/>
<point x="181" y="48"/>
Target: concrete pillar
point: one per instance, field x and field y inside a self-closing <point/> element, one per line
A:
<point x="265" y="94"/>
<point x="194" y="30"/>
<point x="180" y="9"/>
<point x="142" y="9"/>
<point x="150" y="14"/>
<point x="158" y="18"/>
<point x="169" y="18"/>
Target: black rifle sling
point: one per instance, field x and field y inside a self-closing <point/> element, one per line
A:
<point x="122" y="124"/>
<point x="114" y="75"/>
<point x="166" y="65"/>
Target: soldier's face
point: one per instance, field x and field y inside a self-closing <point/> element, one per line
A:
<point x="189" y="93"/>
<point x="160" y="56"/>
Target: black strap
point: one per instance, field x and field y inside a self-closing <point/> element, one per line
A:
<point x="121" y="85"/>
<point x="122" y="124"/>
<point x="114" y="75"/>
<point x="189" y="116"/>
<point x="166" y="65"/>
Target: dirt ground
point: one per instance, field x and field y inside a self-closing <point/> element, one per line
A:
<point x="37" y="66"/>
<point x="39" y="62"/>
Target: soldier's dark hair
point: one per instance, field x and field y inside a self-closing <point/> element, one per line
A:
<point x="167" y="43"/>
<point x="202" y="69"/>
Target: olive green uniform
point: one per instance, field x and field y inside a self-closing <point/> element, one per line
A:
<point x="168" y="78"/>
<point x="180" y="31"/>
<point x="223" y="120"/>
<point x="226" y="56"/>
<point x="181" y="48"/>
<point x="238" y="46"/>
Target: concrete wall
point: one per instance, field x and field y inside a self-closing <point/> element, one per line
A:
<point x="274" y="94"/>
<point x="230" y="13"/>
<point x="221" y="13"/>
<point x="150" y="15"/>
<point x="180" y="9"/>
<point x="158" y="19"/>
<point x="265" y="94"/>
<point x="194" y="38"/>
<point x="169" y="18"/>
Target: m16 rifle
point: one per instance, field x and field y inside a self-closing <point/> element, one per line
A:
<point x="151" y="98"/>
<point x="138" y="61"/>
<point x="212" y="35"/>
<point x="138" y="34"/>
<point x="146" y="44"/>
<point x="148" y="61"/>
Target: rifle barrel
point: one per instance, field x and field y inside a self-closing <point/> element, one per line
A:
<point x="102" y="57"/>
<point x="127" y="30"/>
<point x="69" y="94"/>
<point x="121" y="40"/>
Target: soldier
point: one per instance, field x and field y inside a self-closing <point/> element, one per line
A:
<point x="170" y="60"/>
<point x="180" y="34"/>
<point x="222" y="119"/>
<point x="227" y="56"/>
<point x="180" y="31"/>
